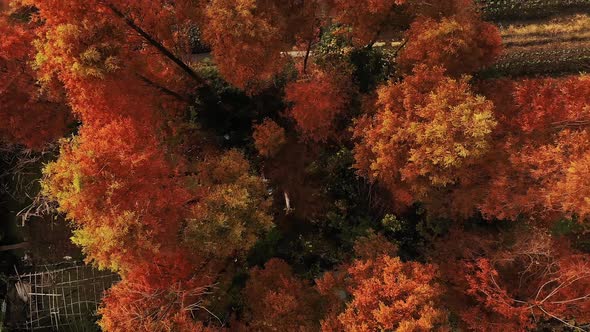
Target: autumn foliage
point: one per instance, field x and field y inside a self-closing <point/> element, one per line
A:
<point x="459" y="44"/>
<point x="437" y="127"/>
<point x="250" y="37"/>
<point x="30" y="115"/>
<point x="278" y="301"/>
<point x="316" y="104"/>
<point x="366" y="18"/>
<point x="305" y="177"/>
<point x="269" y="138"/>
<point x="379" y="291"/>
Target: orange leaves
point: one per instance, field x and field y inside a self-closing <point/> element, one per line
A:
<point x="546" y="141"/>
<point x="137" y="303"/>
<point x="29" y="115"/>
<point x="427" y="130"/>
<point x="250" y="38"/>
<point x="246" y="39"/>
<point x="536" y="277"/>
<point x="277" y="301"/>
<point x="109" y="181"/>
<point x="549" y="104"/>
<point x="366" y="18"/>
<point x="385" y="293"/>
<point x="460" y="44"/>
<point x="317" y="102"/>
<point x="269" y="138"/>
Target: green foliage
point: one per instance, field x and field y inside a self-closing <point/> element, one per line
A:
<point x="575" y="231"/>
<point x="349" y="214"/>
<point x="332" y="48"/>
<point x="413" y="231"/>
<point x="372" y="67"/>
<point x="392" y="224"/>
<point x="229" y="112"/>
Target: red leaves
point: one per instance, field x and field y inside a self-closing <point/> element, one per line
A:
<point x="461" y="44"/>
<point x="269" y="138"/>
<point x="250" y="38"/>
<point x="153" y="297"/>
<point x="246" y="41"/>
<point x="549" y="104"/>
<point x="30" y="116"/>
<point x="367" y="18"/>
<point x="536" y="277"/>
<point x="545" y="136"/>
<point x="278" y="301"/>
<point x="317" y="102"/>
<point x="385" y="293"/>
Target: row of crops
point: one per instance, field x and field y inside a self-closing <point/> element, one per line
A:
<point x="523" y="9"/>
<point x="543" y="62"/>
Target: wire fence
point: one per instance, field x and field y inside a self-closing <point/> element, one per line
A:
<point x="57" y="297"/>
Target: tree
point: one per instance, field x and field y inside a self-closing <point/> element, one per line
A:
<point x="276" y="300"/>
<point x="248" y="37"/>
<point x="153" y="297"/>
<point x="92" y="181"/>
<point x="113" y="179"/>
<point x="512" y="279"/>
<point x="383" y="293"/>
<point x="537" y="278"/>
<point x="544" y="136"/>
<point x="269" y="138"/>
<point x="30" y="116"/>
<point x="232" y="209"/>
<point x="316" y="103"/>
<point x="366" y="18"/>
<point x="426" y="132"/>
<point x="460" y="44"/>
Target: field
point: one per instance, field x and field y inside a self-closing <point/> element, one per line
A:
<point x="551" y="46"/>
<point x="506" y="10"/>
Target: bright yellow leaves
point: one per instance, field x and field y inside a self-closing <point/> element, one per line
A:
<point x="427" y="130"/>
<point x="450" y="130"/>
<point x="233" y="211"/>
<point x="83" y="49"/>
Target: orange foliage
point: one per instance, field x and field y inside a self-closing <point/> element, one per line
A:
<point x="137" y="204"/>
<point x="512" y="281"/>
<point x="247" y="44"/>
<point x="156" y="298"/>
<point x="552" y="103"/>
<point x="366" y="18"/>
<point x="537" y="277"/>
<point x="269" y="138"/>
<point x="277" y="301"/>
<point x="384" y="293"/>
<point x="545" y="139"/>
<point x="30" y="116"/>
<point x="427" y="131"/>
<point x="461" y="44"/>
<point x="248" y="37"/>
<point x="114" y="182"/>
<point x="317" y="102"/>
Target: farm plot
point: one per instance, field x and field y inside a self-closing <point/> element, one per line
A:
<point x="554" y="47"/>
<point x="498" y="10"/>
